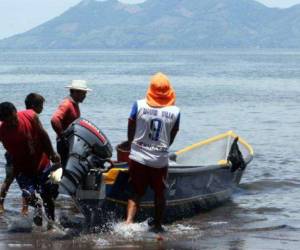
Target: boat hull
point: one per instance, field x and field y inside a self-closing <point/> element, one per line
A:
<point x="189" y="191"/>
<point x="200" y="176"/>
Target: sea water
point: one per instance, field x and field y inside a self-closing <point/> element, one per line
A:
<point x="255" y="93"/>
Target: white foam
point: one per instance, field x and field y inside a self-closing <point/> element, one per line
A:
<point x="121" y="233"/>
<point x="179" y="229"/>
<point x="215" y="223"/>
<point x="15" y="245"/>
<point x="130" y="231"/>
<point x="102" y="242"/>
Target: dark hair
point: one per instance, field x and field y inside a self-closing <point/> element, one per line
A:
<point x="6" y="110"/>
<point x="33" y="100"/>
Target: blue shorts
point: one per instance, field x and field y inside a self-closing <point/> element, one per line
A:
<point x="39" y="183"/>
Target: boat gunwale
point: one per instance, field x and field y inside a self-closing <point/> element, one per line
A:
<point x="200" y="168"/>
<point x="229" y="133"/>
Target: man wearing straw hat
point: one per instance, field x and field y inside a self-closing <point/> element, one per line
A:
<point x="67" y="112"/>
<point x="152" y="127"/>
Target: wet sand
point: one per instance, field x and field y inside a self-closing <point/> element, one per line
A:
<point x="226" y="227"/>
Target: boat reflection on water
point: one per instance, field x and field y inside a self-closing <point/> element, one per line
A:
<point x="201" y="176"/>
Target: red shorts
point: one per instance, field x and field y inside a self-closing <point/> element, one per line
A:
<point x="143" y="176"/>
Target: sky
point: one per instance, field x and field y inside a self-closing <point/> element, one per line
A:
<point x="17" y="16"/>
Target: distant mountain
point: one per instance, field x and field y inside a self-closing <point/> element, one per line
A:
<point x="165" y="24"/>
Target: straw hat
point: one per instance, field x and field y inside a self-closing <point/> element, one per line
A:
<point x="160" y="92"/>
<point x="78" y="85"/>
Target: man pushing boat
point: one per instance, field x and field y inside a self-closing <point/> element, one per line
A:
<point x="152" y="127"/>
<point x="35" y="102"/>
<point x="29" y="146"/>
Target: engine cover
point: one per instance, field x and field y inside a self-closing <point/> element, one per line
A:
<point x="88" y="148"/>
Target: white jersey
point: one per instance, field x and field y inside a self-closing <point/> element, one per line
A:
<point x="153" y="133"/>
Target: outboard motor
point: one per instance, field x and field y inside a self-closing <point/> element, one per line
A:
<point x="89" y="156"/>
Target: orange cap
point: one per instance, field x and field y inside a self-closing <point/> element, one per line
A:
<point x="160" y="92"/>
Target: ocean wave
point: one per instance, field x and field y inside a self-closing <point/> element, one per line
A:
<point x="266" y="184"/>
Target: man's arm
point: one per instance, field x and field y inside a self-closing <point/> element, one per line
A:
<point x="173" y="135"/>
<point x="53" y="156"/>
<point x="131" y="130"/>
<point x="132" y="123"/>
<point x="174" y="130"/>
<point x="58" y="117"/>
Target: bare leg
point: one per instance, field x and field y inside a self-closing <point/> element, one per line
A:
<point x="4" y="188"/>
<point x="132" y="208"/>
<point x="3" y="191"/>
<point x="25" y="204"/>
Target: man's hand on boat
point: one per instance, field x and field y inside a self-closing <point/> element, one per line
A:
<point x="56" y="174"/>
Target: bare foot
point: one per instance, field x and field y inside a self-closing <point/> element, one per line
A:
<point x="24" y="210"/>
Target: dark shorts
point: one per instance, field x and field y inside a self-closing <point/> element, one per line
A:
<point x="63" y="150"/>
<point x="142" y="176"/>
<point x="39" y="183"/>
